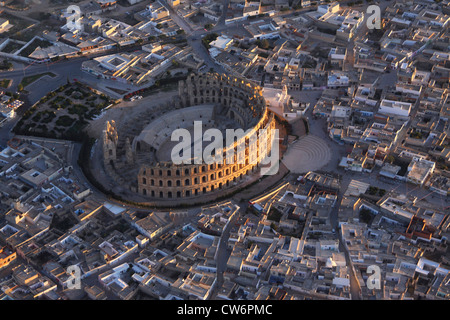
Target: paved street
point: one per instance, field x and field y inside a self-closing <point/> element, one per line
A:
<point x="223" y="253"/>
<point x="194" y="36"/>
<point x="315" y="151"/>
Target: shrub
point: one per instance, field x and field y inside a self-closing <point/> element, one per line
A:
<point x="64" y="121"/>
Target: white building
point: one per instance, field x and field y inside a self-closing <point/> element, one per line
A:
<point x="222" y="42"/>
<point x="5" y="25"/>
<point x="419" y="170"/>
<point x="395" y="108"/>
<point x="331" y="7"/>
<point x="336" y="80"/>
<point x="7" y="111"/>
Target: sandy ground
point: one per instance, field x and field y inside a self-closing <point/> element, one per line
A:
<point x="126" y="111"/>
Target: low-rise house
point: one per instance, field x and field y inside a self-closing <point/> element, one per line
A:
<point x="419" y="171"/>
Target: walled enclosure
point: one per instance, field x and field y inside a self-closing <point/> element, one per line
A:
<point x="219" y="101"/>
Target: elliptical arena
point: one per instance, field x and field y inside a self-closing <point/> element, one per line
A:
<point x="139" y="158"/>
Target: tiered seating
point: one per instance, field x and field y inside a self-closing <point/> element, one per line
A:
<point x="159" y="130"/>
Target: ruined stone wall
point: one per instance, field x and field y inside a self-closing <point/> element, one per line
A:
<point x="110" y="140"/>
<point x="245" y="104"/>
<point x="244" y="99"/>
<point x="167" y="180"/>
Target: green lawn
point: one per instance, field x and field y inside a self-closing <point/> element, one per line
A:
<point x="4" y="83"/>
<point x="30" y="79"/>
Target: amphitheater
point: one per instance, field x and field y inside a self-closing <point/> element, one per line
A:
<point x="137" y="155"/>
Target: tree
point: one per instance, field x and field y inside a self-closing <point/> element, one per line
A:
<point x="365" y="215"/>
<point x="263" y="44"/>
<point x="372" y="190"/>
<point x="390" y="159"/>
<point x="19" y="87"/>
<point x="273" y="226"/>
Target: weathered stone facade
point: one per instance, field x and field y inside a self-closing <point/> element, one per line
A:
<point x="244" y="99"/>
<point x="201" y="97"/>
<point x="110" y="139"/>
